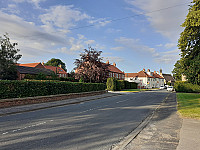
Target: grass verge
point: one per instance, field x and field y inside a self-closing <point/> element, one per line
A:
<point x="189" y="105"/>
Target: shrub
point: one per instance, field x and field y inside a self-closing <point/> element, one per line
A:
<point x="114" y="84"/>
<point x="111" y="84"/>
<point x="186" y="87"/>
<point x="18" y="89"/>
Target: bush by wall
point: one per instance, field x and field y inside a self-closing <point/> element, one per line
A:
<point x="111" y="84"/>
<point x="186" y="87"/>
<point x="114" y="84"/>
<point x="18" y="89"/>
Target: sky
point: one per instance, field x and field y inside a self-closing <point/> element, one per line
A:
<point x="135" y="34"/>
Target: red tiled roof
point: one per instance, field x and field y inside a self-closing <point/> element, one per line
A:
<point x="56" y="69"/>
<point x="114" y="69"/>
<point x="157" y="76"/>
<point x="29" y="64"/>
<point x="139" y="74"/>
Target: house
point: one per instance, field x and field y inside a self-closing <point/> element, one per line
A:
<point x="146" y="79"/>
<point x="58" y="70"/>
<point x="167" y="78"/>
<point x="22" y="71"/>
<point x="114" y="71"/>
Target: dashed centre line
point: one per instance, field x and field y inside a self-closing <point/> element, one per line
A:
<point x="34" y="125"/>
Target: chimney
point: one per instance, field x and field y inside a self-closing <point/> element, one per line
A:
<point x="43" y="63"/>
<point x="154" y="72"/>
<point x="143" y="69"/>
<point x="161" y="72"/>
<point x="107" y="62"/>
<point x="60" y="66"/>
<point x="157" y="72"/>
<point x="148" y="70"/>
<point x="114" y="64"/>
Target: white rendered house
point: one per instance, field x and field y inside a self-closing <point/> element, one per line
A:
<point x="145" y="79"/>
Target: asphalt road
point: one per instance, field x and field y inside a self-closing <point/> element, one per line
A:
<point x="93" y="125"/>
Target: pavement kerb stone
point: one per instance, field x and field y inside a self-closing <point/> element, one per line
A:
<point x="126" y="140"/>
<point x="40" y="106"/>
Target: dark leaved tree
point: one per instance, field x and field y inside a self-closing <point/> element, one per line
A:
<point x="90" y="68"/>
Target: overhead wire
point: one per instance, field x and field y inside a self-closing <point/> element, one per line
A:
<point x="115" y="20"/>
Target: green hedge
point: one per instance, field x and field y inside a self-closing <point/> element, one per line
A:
<point x="18" y="89"/>
<point x="186" y="87"/>
<point x="117" y="85"/>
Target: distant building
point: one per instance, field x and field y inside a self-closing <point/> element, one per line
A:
<point x="168" y="78"/>
<point x="112" y="70"/>
<point x="57" y="70"/>
<point x="146" y="79"/>
<point x="22" y="71"/>
<point x="115" y="72"/>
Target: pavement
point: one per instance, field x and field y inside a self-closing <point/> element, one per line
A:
<point x="168" y="131"/>
<point x="165" y="131"/>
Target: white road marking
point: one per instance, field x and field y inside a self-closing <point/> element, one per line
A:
<point x="34" y="125"/>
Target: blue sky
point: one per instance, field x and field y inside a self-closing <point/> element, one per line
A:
<point x="135" y="34"/>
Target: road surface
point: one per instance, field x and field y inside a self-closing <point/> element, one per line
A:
<point x="91" y="125"/>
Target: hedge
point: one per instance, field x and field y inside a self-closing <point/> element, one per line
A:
<point x="18" y="89"/>
<point x="186" y="87"/>
<point x="113" y="84"/>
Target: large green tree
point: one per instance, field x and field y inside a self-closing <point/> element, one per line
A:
<point x="189" y="44"/>
<point x="178" y="70"/>
<point x="8" y="58"/>
<point x="90" y="68"/>
<point x="56" y="63"/>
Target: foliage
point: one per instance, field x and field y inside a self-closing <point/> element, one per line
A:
<point x="113" y="84"/>
<point x="56" y="63"/>
<point x="8" y="58"/>
<point x="90" y="67"/>
<point x="186" y="87"/>
<point x="189" y="105"/>
<point x="178" y="70"/>
<point x="189" y="44"/>
<point x="81" y="80"/>
<point x="17" y="89"/>
<point x="41" y="76"/>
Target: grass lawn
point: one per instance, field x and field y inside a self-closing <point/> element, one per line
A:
<point x="189" y="105"/>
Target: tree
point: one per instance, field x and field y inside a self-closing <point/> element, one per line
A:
<point x="8" y="58"/>
<point x="90" y="68"/>
<point x="56" y="63"/>
<point x="178" y="70"/>
<point x="189" y="44"/>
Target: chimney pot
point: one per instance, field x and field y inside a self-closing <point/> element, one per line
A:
<point x="114" y="64"/>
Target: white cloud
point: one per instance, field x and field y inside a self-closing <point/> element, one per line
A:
<point x="168" y="57"/>
<point x="170" y="45"/>
<point x="63" y="17"/>
<point x="113" y="59"/>
<point x="168" y="21"/>
<point x="34" y="2"/>
<point x="117" y="48"/>
<point x="135" y="45"/>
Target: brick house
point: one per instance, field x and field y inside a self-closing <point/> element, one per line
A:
<point x="58" y="70"/>
<point x="113" y="71"/>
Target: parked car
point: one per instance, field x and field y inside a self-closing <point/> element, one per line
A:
<point x="162" y="87"/>
<point x="170" y="88"/>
